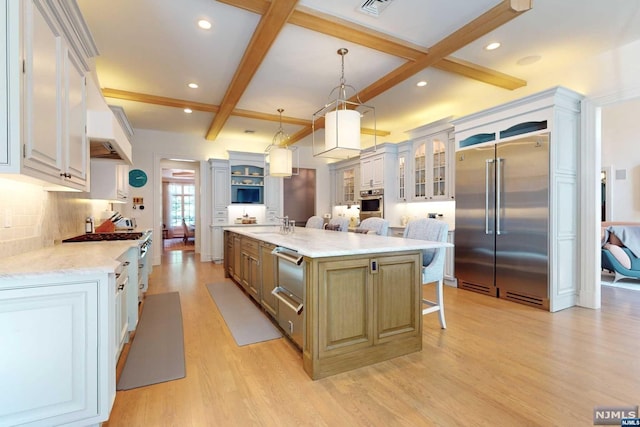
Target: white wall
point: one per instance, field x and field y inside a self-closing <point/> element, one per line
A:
<point x="620" y="137"/>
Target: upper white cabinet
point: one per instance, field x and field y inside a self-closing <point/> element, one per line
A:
<point x="109" y="180"/>
<point x="346" y="181"/>
<point x="424" y="165"/>
<point x="46" y="50"/>
<point x="372" y="171"/>
<point x="376" y="167"/>
<point x="432" y="172"/>
<point x="402" y="172"/>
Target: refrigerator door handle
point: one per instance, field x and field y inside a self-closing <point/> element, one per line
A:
<point x="487" y="167"/>
<point x="499" y="161"/>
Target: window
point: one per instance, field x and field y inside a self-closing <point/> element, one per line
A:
<point x="181" y="203"/>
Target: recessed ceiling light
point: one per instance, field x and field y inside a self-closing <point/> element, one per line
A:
<point x="421" y="83"/>
<point x="193" y="85"/>
<point x="492" y="46"/>
<point x="204" y="24"/>
<point x="528" y="60"/>
<point x="188" y="110"/>
<point x="249" y="131"/>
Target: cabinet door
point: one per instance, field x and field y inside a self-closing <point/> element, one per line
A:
<point x="43" y="92"/>
<point x="345" y="307"/>
<point x="49" y="357"/>
<point x="439" y="167"/>
<point x="349" y="191"/>
<point x="237" y="259"/>
<point x="402" y="168"/>
<point x="449" y="261"/>
<point x="221" y="189"/>
<point x="273" y="198"/>
<point x="397" y="311"/>
<point x="372" y="172"/>
<point x="122" y="181"/>
<point x="75" y="147"/>
<point x="217" y="243"/>
<point x="419" y="171"/>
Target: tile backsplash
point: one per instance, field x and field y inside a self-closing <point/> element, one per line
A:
<point x="32" y="218"/>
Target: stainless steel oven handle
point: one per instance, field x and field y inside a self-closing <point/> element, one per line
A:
<point x="288" y="255"/>
<point x="282" y="294"/>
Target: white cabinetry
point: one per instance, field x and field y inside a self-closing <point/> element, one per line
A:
<point x="372" y="171"/>
<point x="431" y="160"/>
<point x="109" y="180"/>
<point x="402" y="172"/>
<point x="46" y="97"/>
<point x="221" y="198"/>
<point x="346" y="181"/>
<point x="555" y="112"/>
<point x="121" y="317"/>
<point x="57" y="361"/>
<point x="273" y="199"/>
<point x="449" y="260"/>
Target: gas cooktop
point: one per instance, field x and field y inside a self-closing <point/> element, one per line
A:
<point x="97" y="237"/>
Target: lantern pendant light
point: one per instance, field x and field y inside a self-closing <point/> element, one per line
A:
<point x="341" y="121"/>
<point x="278" y="154"/>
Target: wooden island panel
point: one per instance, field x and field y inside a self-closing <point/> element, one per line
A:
<point x="359" y="309"/>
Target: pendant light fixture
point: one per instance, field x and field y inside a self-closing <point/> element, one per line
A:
<point x="341" y="121"/>
<point x="278" y="154"/>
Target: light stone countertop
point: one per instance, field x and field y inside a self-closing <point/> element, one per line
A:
<point x="316" y="243"/>
<point x="64" y="259"/>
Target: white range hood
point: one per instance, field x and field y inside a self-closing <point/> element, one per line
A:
<point x="108" y="129"/>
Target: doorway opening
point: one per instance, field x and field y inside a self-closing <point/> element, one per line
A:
<point x="179" y="206"/>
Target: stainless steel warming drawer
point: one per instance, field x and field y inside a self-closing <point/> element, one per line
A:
<point x="290" y="292"/>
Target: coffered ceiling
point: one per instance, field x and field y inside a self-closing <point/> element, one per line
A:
<point x="263" y="55"/>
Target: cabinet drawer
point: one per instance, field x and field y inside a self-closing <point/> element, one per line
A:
<point x="220" y="220"/>
<point x="220" y="213"/>
<point x="250" y="246"/>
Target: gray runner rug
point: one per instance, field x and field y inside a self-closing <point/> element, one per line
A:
<point x="157" y="351"/>
<point x="247" y="323"/>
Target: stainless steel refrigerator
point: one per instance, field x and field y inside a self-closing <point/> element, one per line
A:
<point x="502" y="220"/>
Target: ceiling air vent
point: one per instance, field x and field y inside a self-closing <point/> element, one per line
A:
<point x="373" y="7"/>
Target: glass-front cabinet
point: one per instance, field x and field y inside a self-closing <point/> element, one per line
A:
<point x="402" y="172"/>
<point x="345" y="181"/>
<point x="431" y="160"/>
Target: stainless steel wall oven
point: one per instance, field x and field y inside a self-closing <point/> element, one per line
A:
<point x="371" y="203"/>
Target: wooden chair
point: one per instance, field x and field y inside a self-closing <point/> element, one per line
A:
<point x="432" y="260"/>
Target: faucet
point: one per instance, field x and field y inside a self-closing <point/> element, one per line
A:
<point x="285" y="227"/>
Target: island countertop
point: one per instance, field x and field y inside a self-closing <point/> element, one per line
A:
<point x="315" y="243"/>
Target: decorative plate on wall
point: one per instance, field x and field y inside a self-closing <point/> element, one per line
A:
<point x="137" y="178"/>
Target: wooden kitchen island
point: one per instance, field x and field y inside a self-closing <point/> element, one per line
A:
<point x="362" y="293"/>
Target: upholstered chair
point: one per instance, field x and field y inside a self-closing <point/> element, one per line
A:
<point x="338" y="224"/>
<point x="379" y="225"/>
<point x="432" y="260"/>
<point x="315" y="222"/>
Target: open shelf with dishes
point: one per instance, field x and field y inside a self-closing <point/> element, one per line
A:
<point x="247" y="183"/>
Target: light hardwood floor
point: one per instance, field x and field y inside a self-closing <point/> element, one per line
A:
<point x="497" y="364"/>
